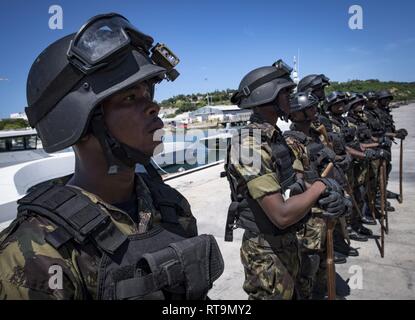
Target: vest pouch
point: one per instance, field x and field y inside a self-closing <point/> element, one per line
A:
<point x="175" y="210"/>
<point x="185" y="269"/>
<point x="246" y="219"/>
<point x="202" y="264"/>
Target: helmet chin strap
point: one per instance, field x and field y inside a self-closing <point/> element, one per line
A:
<point x="118" y="155"/>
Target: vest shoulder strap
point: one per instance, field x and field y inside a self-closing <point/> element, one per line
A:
<point x="75" y="215"/>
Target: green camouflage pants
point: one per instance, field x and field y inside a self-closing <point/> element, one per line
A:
<point x="271" y="272"/>
<point x="357" y="179"/>
<point x="313" y="241"/>
<point x="313" y="235"/>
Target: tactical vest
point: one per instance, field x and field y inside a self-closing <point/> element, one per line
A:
<point x="363" y="132"/>
<point x="176" y="214"/>
<point x="374" y="123"/>
<point x="245" y="212"/>
<point x="157" y="264"/>
<point x="318" y="155"/>
<point x="347" y="132"/>
<point x="322" y="119"/>
<point x="386" y="119"/>
<point x="339" y="144"/>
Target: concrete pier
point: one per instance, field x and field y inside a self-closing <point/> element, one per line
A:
<point x="369" y="276"/>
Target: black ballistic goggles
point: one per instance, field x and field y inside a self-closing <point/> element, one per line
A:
<point x="335" y="97"/>
<point x="320" y="81"/>
<point x="99" y="41"/>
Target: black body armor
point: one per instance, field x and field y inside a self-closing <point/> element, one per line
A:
<point x="245" y="212"/>
<point x="167" y="262"/>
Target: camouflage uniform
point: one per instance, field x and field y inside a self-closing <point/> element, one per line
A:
<point x="376" y="125"/>
<point x="313" y="236"/>
<point x="355" y="174"/>
<point x="271" y="262"/>
<point x="25" y="256"/>
<point x="361" y="167"/>
<point x="384" y="114"/>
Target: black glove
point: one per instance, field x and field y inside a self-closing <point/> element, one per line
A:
<point x="297" y="187"/>
<point x="325" y="156"/>
<point x="404" y="131"/>
<point x="344" y="162"/>
<point x="349" y="206"/>
<point x="385" y="143"/>
<point x="371" y="154"/>
<point x="334" y="204"/>
<point x="384" y="155"/>
<point x="401" y="134"/>
<point x="331" y="185"/>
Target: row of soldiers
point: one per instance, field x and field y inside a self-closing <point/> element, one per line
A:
<point x="109" y="232"/>
<point x="341" y="140"/>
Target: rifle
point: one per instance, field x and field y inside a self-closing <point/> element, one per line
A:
<point x="331" y="268"/>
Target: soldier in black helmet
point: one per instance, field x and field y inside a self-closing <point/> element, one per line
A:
<point x="316" y="84"/>
<point x="357" y="118"/>
<point x="308" y="147"/>
<point x="109" y="232"/>
<point x="384" y="98"/>
<point x="376" y="122"/>
<point x="336" y="105"/>
<point x="268" y="200"/>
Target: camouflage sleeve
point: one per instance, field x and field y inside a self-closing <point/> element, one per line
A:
<point x="252" y="160"/>
<point x="336" y="129"/>
<point x="30" y="268"/>
<point x="355" y="144"/>
<point x="299" y="153"/>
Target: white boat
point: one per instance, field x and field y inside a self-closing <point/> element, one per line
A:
<point x="16" y="180"/>
<point x="217" y="141"/>
<point x="221" y="140"/>
<point x="25" y="164"/>
<point x="178" y="152"/>
<point x="17" y="146"/>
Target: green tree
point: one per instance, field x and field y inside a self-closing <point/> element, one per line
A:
<point x="13" y="124"/>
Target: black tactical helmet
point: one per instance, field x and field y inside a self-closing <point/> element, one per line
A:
<point x="72" y="76"/>
<point x="333" y="98"/>
<point x="312" y="82"/>
<point x="384" y="94"/>
<point x="355" y="98"/>
<point x="262" y="85"/>
<point x="302" y="100"/>
<point x="370" y="95"/>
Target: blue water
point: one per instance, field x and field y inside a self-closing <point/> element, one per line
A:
<point x="193" y="136"/>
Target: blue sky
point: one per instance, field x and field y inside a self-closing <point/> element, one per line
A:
<point x="218" y="42"/>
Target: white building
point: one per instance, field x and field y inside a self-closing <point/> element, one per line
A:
<point x="222" y="113"/>
<point x="18" y="115"/>
<point x="180" y="118"/>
